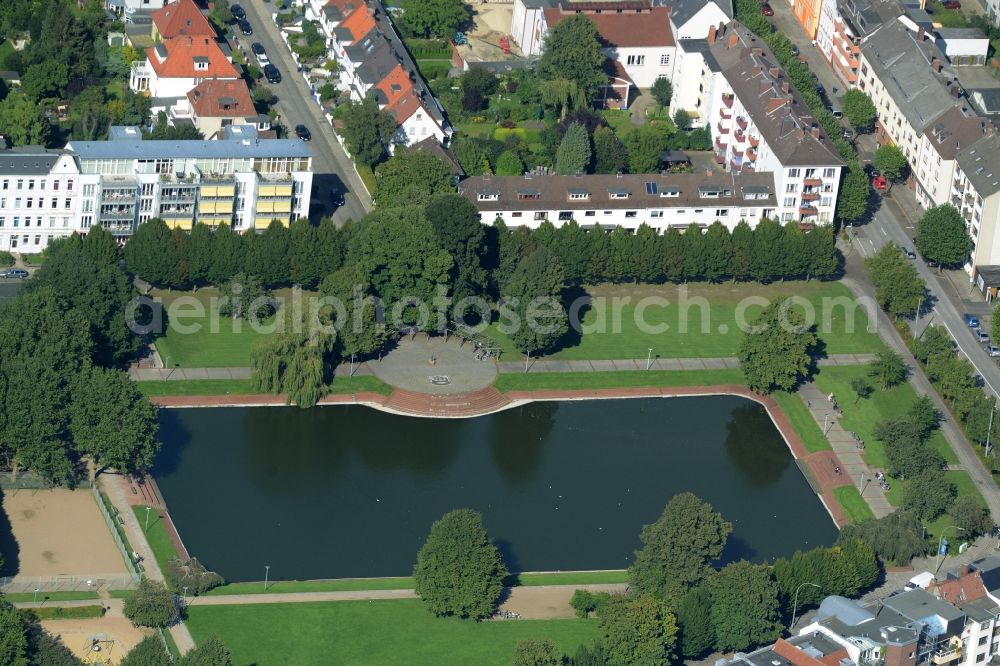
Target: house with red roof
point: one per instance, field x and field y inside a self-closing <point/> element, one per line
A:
<point x="180" y="18"/>
<point x="175" y="66"/>
<point x="215" y="104"/>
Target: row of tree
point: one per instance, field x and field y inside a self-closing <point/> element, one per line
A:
<point x="63" y="398"/>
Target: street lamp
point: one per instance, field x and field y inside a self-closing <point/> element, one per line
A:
<point x="267" y="570"/>
<point x="795" y="606"/>
<point x="649" y="358"/>
<point x="147" y="519"/>
<point x="941" y="541"/>
<point x="527" y="359"/>
<point x="36" y="595"/>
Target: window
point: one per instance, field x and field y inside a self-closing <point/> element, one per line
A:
<point x="656" y="214"/>
<point x="488" y="196"/>
<point x="20" y="185"/>
<point x="699" y="211"/>
<point x="829" y="172"/>
<point x="793" y="173"/>
<point x="607" y="212"/>
<point x="826" y="201"/>
<point x="579" y="195"/>
<point x="38" y="240"/>
<point x="651" y="188"/>
<point x="6" y="184"/>
<point x="17" y="221"/>
<point x="539" y="217"/>
<point x="55" y="185"/>
<point x="786" y="217"/>
<point x="55" y="202"/>
<point x="619" y="194"/>
<point x="3" y="220"/>
<point x="665" y="59"/>
<point x="69" y="204"/>
<point x="17" y="202"/>
<point x="27" y="221"/>
<point x="69" y="185"/>
<point x="590" y="213"/>
<point x="28" y="202"/>
<point x="791" y="188"/>
<point x="722" y="212"/>
<point x="789" y="202"/>
<point x="680" y="211"/>
<point x="810" y="173"/>
<point x="565" y="216"/>
<point x="981" y="658"/>
<point x="88" y="190"/>
<point x="629" y="214"/>
<point x="982" y="641"/>
<point x="31" y="184"/>
<point x="635" y="60"/>
<point x="517" y="214"/>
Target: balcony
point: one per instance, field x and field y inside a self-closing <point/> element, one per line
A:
<point x="727" y="101"/>
<point x="739" y="136"/>
<point x="944" y="656"/>
<point x="737" y="153"/>
<point x="747" y="168"/>
<point x="741" y="122"/>
<point x="720" y="144"/>
<point x="810" y="196"/>
<point x="754" y="141"/>
<point x="725" y="114"/>
<point x="805" y="209"/>
<point x="735" y="165"/>
<point x="751" y="154"/>
<point x="812" y="182"/>
<point x="722" y="129"/>
<point x="720" y="158"/>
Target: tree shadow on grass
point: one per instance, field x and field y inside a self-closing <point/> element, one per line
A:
<point x="9" y="548"/>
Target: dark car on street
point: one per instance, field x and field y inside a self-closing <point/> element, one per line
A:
<point x="246" y="28"/>
<point x="303" y="132"/>
<point x="272" y="74"/>
<point x="766" y="10"/>
<point x="337" y="197"/>
<point x="14" y="273"/>
<point x="238" y="13"/>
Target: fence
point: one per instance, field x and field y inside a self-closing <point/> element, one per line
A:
<point x="31" y="481"/>
<point x="47" y="584"/>
<point x="117" y="536"/>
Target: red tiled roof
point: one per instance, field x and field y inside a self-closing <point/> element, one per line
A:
<point x="182" y="18"/>
<point x="360" y="23"/>
<point x="631" y="28"/>
<point x="220" y="98"/>
<point x="795" y="656"/>
<point x="963" y="589"/>
<point x="180" y="60"/>
<point x="395" y="85"/>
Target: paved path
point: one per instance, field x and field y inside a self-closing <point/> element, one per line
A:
<point x="853" y="467"/>
<point x="540" y="365"/>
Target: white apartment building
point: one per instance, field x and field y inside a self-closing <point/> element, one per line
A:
<point x="975" y="192"/>
<point x="662" y="201"/>
<point x="38" y="197"/>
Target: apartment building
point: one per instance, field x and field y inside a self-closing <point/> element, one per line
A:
<point x="238" y="180"/>
<point x="374" y="62"/>
<point x="761" y="124"/>
<point x="38" y="197"/>
<point x="844" y="25"/>
<point x="662" y="201"/>
<point x="975" y="192"/>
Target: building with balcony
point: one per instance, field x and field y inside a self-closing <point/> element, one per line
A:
<point x="662" y="201"/>
<point x="238" y="180"/>
<point x="175" y="66"/>
<point x="762" y="125"/>
<point x="38" y="197"/>
<point x="975" y="192"/>
<point x="844" y="25"/>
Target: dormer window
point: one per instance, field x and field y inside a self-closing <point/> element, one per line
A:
<point x="670" y="192"/>
<point x="201" y="64"/>
<point x="578" y="195"/>
<point x="487" y="196"/>
<point x="618" y="193"/>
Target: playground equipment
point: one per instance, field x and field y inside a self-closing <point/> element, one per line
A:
<point x="460" y="39"/>
<point x="98" y="650"/>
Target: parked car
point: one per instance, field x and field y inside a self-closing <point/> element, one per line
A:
<point x="971" y="321"/>
<point x="238" y="12"/>
<point x="982" y="336"/>
<point x="910" y="254"/>
<point x="303" y="132"/>
<point x="14" y="273"/>
<point x="993" y="350"/>
<point x="766" y="10"/>
<point x="795" y="50"/>
<point x="337" y="197"/>
<point x="258" y="50"/>
<point x="951" y="4"/>
<point x="272" y="74"/>
<point x="246" y="28"/>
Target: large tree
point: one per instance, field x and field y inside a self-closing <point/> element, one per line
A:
<point x="199" y="254"/>
<point x="296" y="362"/>
<point x="573" y="52"/>
<point x="536" y="652"/>
<point x="610" y="154"/>
<point x="775" y="353"/>
<point x="941" y="236"/>
<point x="362" y="330"/>
<point x="112" y="422"/>
<point x="149" y="652"/>
<point x="22" y="122"/>
<point x="209" y="652"/>
<point x="537" y="318"/>
<point x="367" y="130"/>
<point x="13" y="642"/>
<point x="694" y="619"/>
<point x="888" y="369"/>
<point x="459" y="570"/>
<point x="928" y="494"/>
<point x="854" y="193"/>
<point x="896" y="538"/>
<point x="412" y="177"/>
<point x="969" y="513"/>
<point x="898" y="288"/>
<point x="637" y="629"/>
<point x="891" y="162"/>
<point x="745" y="610"/>
<point x="151" y="254"/>
<point x="859" y="110"/>
<point x="679" y="548"/>
<point x="268" y="255"/>
<point x="151" y="605"/>
<point x="460" y="233"/>
<point x="399" y="251"/>
<point x="434" y="18"/>
<point x="662" y="91"/>
<point x="573" y="155"/>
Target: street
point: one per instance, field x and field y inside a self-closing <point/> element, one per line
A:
<point x="332" y="168"/>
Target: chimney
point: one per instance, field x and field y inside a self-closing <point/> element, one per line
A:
<point x="815" y="131"/>
<point x="711" y="34"/>
<point x="935" y="64"/>
<point x="756" y="71"/>
<point x="734" y="39"/>
<point x="963" y="571"/>
<point x="786" y="87"/>
<point x="774" y="72"/>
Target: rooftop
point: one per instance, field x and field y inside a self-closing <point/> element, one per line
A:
<point x="28" y="160"/>
<point x="638" y="27"/>
<point x="182" y="18"/>
<point x="222" y="98"/>
<point x="956" y="128"/>
<point x="960" y="588"/>
<point x="136" y="148"/>
<point x="914" y="72"/>
<point x="771" y="101"/>
<point x="182" y="54"/>
<point x="682" y="11"/>
<point x="980" y="163"/>
<point x="633" y="191"/>
<point x="865" y="16"/>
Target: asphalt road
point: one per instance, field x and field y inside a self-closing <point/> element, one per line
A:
<point x="331" y="166"/>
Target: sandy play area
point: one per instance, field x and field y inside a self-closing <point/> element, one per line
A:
<point x="77" y="635"/>
<point x="61" y="533"/>
<point x="545" y="602"/>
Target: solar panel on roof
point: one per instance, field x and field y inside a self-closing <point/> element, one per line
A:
<point x="651" y="188"/>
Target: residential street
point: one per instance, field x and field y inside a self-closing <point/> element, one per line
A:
<point x="331" y="165"/>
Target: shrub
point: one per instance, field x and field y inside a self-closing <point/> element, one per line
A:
<point x="191" y="575"/>
<point x="151" y="605"/>
<point x="6" y="259"/>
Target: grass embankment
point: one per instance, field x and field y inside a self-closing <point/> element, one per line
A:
<point x="854" y="505"/>
<point x="339" y="386"/>
<point x="861" y="416"/>
<point x="542" y="381"/>
<point x="372" y="632"/>
<point x="704" y="320"/>
<point x="65" y="612"/>
<point x="802" y="421"/>
<point x="18" y="597"/>
<point x="156" y="534"/>
<point x="406" y="583"/>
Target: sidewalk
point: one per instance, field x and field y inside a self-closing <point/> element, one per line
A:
<point x="541" y="365"/>
<point x="854" y="469"/>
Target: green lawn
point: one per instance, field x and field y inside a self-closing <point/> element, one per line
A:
<point x="803" y="422"/>
<point x="65" y="612"/>
<point x="372" y="632"/>
<point x="617" y="120"/>
<point x="542" y="381"/>
<point x="568" y="578"/>
<point x="156" y="535"/>
<point x="861" y="416"/>
<point x="699" y="323"/>
<point x="339" y="386"/>
<point x="948" y="18"/>
<point x="50" y="596"/>
<point x="854" y="505"/>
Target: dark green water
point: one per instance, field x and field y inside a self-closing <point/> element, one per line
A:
<point x="351" y="492"/>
